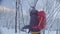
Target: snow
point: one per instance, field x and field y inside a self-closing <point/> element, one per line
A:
<point x="4" y="30"/>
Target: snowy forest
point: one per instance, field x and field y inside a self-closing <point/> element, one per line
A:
<point x="15" y="14"/>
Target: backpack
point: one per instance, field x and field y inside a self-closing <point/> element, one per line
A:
<point x="41" y="21"/>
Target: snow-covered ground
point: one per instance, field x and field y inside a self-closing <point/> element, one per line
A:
<point x="4" y="30"/>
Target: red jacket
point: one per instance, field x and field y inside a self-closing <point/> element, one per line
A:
<point x="42" y="21"/>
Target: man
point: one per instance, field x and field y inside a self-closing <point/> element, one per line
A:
<point x="33" y="20"/>
<point x="37" y="21"/>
